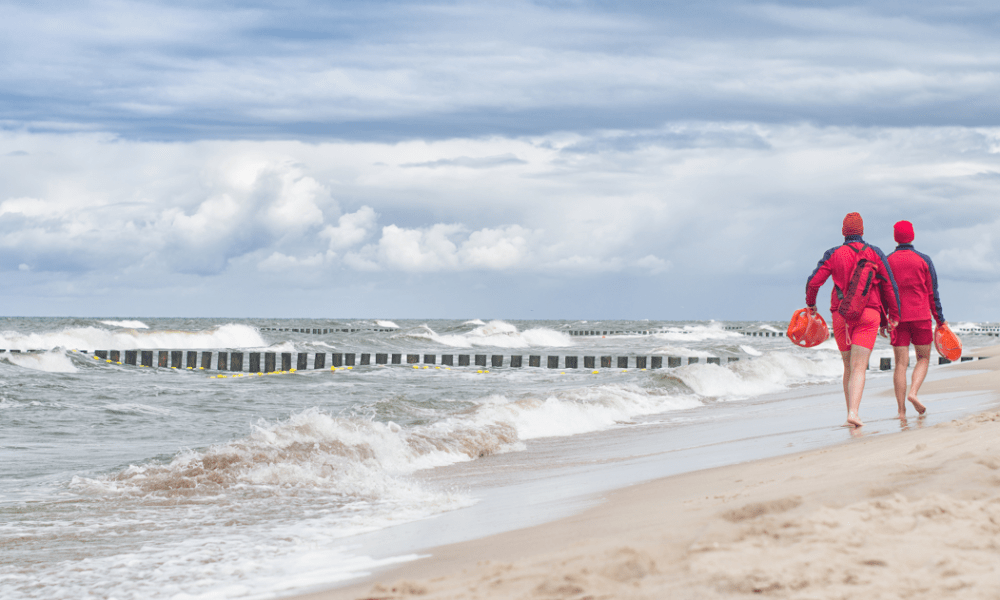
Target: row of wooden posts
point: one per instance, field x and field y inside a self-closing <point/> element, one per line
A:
<point x="234" y="361"/>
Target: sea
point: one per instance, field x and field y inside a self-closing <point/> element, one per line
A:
<point x="130" y="482"/>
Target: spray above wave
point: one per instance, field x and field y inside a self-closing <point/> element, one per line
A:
<point x="86" y="338"/>
<point x="497" y="334"/>
<point x="127" y="324"/>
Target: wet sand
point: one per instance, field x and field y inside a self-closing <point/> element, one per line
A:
<point x="908" y="515"/>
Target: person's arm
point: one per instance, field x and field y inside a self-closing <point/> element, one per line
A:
<point x="818" y="278"/>
<point x="935" y="297"/>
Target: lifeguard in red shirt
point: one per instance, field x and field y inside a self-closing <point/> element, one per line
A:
<point x="919" y="301"/>
<point x="855" y="339"/>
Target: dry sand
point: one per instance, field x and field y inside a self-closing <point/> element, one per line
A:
<point x="908" y="515"/>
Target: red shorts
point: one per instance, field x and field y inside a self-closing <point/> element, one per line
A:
<point x="858" y="333"/>
<point x="919" y="333"/>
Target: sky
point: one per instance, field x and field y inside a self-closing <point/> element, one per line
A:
<point x="516" y="160"/>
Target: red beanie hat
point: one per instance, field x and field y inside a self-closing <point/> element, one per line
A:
<point x="853" y="225"/>
<point x="903" y="232"/>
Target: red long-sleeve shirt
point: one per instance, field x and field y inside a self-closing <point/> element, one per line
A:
<point x="839" y="262"/>
<point x="917" y="280"/>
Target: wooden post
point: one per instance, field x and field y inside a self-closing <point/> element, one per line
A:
<point x="236" y="361"/>
<point x="286" y="361"/>
<point x="692" y="360"/>
<point x="366" y="358"/>
<point x="553" y="362"/>
<point x="254" y="362"/>
<point x="412" y="359"/>
<point x="269" y="360"/>
<point x="381" y="358"/>
<point x="130" y="356"/>
<point x="397" y="359"/>
<point x="463" y="360"/>
<point x="515" y="361"/>
<point x="885" y="364"/>
<point x="115" y="356"/>
<point x="206" y="360"/>
<point x="348" y="359"/>
<point x="640" y="362"/>
<point x="656" y="362"/>
<point x="570" y="362"/>
<point x="673" y="361"/>
<point x="337" y="360"/>
<point x="192" y="359"/>
<point x="163" y="359"/>
<point x="534" y="361"/>
<point x="622" y="362"/>
<point x="448" y="360"/>
<point x="588" y="362"/>
<point x="223" y="362"/>
<point x="713" y="360"/>
<point x="496" y="360"/>
<point x="301" y="361"/>
<point x="319" y="361"/>
<point x="605" y="362"/>
<point x="480" y="360"/>
<point x="430" y="359"/>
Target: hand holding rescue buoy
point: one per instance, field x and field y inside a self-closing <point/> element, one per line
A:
<point x="947" y="343"/>
<point x="807" y="328"/>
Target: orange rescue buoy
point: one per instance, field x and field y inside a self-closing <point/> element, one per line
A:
<point x="947" y="343"/>
<point x="807" y="328"/>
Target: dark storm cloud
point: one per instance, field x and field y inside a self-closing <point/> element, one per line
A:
<point x="400" y="70"/>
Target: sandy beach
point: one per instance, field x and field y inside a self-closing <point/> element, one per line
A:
<point x="914" y="514"/>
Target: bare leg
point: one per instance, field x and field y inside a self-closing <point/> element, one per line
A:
<point x="902" y="356"/>
<point x="856" y="383"/>
<point x="919" y="372"/>
<point x="847" y="375"/>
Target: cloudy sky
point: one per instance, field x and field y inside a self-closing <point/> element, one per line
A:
<point x="550" y="159"/>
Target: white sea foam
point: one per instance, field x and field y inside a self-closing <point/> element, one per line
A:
<point x="50" y="362"/>
<point x="127" y="324"/>
<point x="773" y="372"/>
<point x="682" y="351"/>
<point x="581" y="410"/>
<point x="498" y="334"/>
<point x="474" y="322"/>
<point x="751" y="350"/>
<point x="90" y="338"/>
<point x="696" y="333"/>
<point x="386" y="324"/>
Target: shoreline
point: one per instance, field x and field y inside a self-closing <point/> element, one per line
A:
<point x="824" y="523"/>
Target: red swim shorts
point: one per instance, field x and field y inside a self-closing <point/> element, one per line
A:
<point x="858" y="333"/>
<point x="919" y="333"/>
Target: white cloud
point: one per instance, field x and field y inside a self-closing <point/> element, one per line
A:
<point x="351" y="229"/>
<point x="654" y="264"/>
<point x="713" y="202"/>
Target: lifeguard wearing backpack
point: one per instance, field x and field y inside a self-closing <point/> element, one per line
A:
<point x="854" y="299"/>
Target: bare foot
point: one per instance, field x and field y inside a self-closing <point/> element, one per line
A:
<point x="901" y="415"/>
<point x="917" y="404"/>
<point x="853" y="420"/>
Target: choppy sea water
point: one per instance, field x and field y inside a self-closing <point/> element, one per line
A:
<point x="125" y="482"/>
